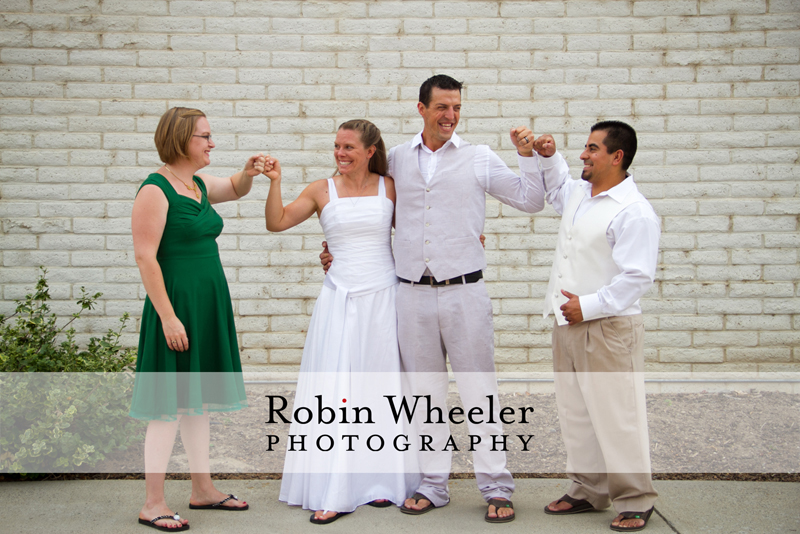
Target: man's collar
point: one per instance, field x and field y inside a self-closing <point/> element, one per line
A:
<point x="618" y="192"/>
<point x="455" y="140"/>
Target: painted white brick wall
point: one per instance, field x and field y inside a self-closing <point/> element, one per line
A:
<point x="711" y="86"/>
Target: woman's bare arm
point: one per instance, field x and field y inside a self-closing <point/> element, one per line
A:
<point x="280" y="217"/>
<point x="236" y="186"/>
<point x="148" y="219"/>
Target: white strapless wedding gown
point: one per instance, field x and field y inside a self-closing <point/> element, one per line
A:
<point x="351" y="360"/>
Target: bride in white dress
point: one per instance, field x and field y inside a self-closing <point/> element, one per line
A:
<point x="351" y="357"/>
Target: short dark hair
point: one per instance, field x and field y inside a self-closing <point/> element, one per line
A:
<point x="619" y="136"/>
<point x="440" y="81"/>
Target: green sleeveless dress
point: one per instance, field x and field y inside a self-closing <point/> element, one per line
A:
<point x="208" y="376"/>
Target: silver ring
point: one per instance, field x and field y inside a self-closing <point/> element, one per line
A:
<point x="526" y="138"/>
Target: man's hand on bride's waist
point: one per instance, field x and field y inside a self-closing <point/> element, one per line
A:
<point x="326" y="258"/>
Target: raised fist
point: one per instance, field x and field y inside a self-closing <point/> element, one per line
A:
<point x="272" y="168"/>
<point x="522" y="137"/>
<point x="545" y="146"/>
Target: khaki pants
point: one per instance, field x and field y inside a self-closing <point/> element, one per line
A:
<point x="599" y="379"/>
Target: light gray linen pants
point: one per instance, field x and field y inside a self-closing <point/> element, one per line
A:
<point x="599" y="379"/>
<point x="455" y="322"/>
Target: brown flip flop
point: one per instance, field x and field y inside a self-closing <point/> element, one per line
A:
<point x="578" y="506"/>
<point x="497" y="503"/>
<point x="634" y="515"/>
<point x="411" y="511"/>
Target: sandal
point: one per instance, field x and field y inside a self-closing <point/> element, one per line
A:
<point x="498" y="503"/>
<point x="578" y="506"/>
<point x="152" y="523"/>
<point x="411" y="511"/>
<point x="218" y="506"/>
<point x="633" y="515"/>
<point x="385" y="504"/>
<point x="316" y="521"/>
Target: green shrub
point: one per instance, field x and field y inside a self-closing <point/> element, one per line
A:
<point x="29" y="344"/>
<point x="61" y="406"/>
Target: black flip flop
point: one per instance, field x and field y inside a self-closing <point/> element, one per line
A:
<point x="497" y="503"/>
<point x="578" y="506"/>
<point x="152" y="523"/>
<point x="384" y="504"/>
<point x="634" y="515"/>
<point x="218" y="506"/>
<point x="329" y="520"/>
<point x="411" y="511"/>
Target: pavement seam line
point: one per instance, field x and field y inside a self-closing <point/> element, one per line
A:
<point x="667" y="521"/>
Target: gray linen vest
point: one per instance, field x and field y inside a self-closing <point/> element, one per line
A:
<point x="438" y="224"/>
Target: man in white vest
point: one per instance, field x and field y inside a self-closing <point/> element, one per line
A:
<point x="443" y="308"/>
<point x="605" y="260"/>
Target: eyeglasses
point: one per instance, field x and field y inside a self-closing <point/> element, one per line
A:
<point x="206" y="137"/>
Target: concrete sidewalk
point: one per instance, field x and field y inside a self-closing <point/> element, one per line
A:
<point x="686" y="507"/>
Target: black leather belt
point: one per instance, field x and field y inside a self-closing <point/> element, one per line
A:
<point x="470" y="278"/>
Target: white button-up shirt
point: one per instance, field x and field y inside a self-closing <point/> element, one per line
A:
<point x="633" y="236"/>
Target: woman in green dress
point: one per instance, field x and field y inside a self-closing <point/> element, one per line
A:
<point x="188" y="362"/>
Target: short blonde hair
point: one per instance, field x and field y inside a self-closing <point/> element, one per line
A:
<point x="174" y="132"/>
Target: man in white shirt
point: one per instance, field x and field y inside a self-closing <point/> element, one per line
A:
<point x="443" y="308"/>
<point x="605" y="260"/>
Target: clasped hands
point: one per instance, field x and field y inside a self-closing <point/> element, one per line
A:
<point x="261" y="164"/>
<point x="266" y="165"/>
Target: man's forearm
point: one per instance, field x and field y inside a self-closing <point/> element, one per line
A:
<point x="555" y="174"/>
<point x="524" y="192"/>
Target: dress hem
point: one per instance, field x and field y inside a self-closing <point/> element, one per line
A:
<point x="188" y="412"/>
